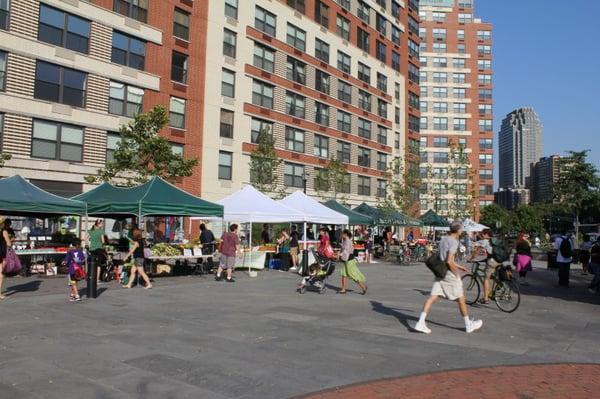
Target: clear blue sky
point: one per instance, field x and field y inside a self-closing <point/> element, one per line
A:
<point x="547" y="55"/>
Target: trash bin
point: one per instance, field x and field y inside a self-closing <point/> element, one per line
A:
<point x="551" y="261"/>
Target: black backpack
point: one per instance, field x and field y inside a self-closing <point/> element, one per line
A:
<point x="566" y="250"/>
<point x="500" y="251"/>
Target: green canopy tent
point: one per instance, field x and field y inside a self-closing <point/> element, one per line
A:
<point x="155" y="197"/>
<point x="21" y="198"/>
<point x="354" y="218"/>
<point x="432" y="219"/>
<point x="393" y="217"/>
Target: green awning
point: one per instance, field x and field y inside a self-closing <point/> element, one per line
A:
<point x="155" y="197"/>
<point x="20" y="197"/>
<point x="432" y="219"/>
<point x="387" y="218"/>
<point x="354" y="218"/>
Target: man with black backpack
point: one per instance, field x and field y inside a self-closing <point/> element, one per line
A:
<point x="564" y="246"/>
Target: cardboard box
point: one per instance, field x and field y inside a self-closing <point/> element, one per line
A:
<point x="51" y="270"/>
<point x="162" y="269"/>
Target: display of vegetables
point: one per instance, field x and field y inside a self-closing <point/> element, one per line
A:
<point x="165" y="250"/>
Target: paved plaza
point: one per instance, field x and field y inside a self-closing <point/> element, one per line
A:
<point x="191" y="337"/>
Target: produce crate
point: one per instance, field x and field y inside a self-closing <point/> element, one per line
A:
<point x="163" y="269"/>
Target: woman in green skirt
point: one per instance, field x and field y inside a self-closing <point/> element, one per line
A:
<point x="350" y="268"/>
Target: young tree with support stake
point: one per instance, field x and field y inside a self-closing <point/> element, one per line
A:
<point x="578" y="185"/>
<point x="264" y="163"/>
<point x="142" y="154"/>
<point x="332" y="178"/>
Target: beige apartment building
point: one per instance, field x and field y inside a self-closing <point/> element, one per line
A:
<point x="326" y="78"/>
<point x="456" y="109"/>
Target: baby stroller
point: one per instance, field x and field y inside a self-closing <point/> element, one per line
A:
<point x="319" y="272"/>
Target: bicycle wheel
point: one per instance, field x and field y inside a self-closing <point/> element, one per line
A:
<point x="507" y="296"/>
<point x="471" y="288"/>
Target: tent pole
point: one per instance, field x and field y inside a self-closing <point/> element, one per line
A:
<point x="250" y="247"/>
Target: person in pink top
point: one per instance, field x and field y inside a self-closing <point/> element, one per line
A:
<point x="324" y="248"/>
<point x="230" y="246"/>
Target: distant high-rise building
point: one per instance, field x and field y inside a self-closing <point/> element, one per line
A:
<point x="456" y="108"/>
<point x="544" y="174"/>
<point x="511" y="198"/>
<point x="520" y="145"/>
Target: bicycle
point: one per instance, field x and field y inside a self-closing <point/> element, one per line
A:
<point x="504" y="291"/>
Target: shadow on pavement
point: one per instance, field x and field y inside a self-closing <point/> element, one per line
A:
<point x="544" y="283"/>
<point x="29" y="286"/>
<point x="404" y="318"/>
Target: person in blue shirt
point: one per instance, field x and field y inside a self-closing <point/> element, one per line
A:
<point x="74" y="260"/>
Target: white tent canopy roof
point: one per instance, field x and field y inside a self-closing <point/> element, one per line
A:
<point x="471" y="226"/>
<point x="249" y="205"/>
<point x="311" y="210"/>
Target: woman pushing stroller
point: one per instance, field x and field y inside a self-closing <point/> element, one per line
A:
<point x="350" y="269"/>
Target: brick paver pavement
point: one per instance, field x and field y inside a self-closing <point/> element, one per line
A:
<point x="550" y="381"/>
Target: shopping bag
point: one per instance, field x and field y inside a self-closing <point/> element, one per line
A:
<point x="437" y="266"/>
<point x="12" y="263"/>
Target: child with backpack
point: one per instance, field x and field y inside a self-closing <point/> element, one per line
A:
<point x="75" y="261"/>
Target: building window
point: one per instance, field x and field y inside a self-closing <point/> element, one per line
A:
<point x="4" y="7"/>
<point x="485" y="109"/>
<point x="295" y="105"/>
<point x="3" y="58"/>
<point x="381" y="24"/>
<point x="231" y="8"/>
<point x="344" y="121"/>
<point x="381" y="51"/>
<point x="296" y="70"/>
<point x="413" y="73"/>
<point x="179" y="67"/>
<point x="364" y="185"/>
<point x="112" y="144"/>
<point x="485" y="94"/>
<point x="260" y="127"/>
<point x="459" y="108"/>
<point x="438" y="16"/>
<point x="125" y="100"/>
<point x="229" y="43"/>
<point x="264" y="58"/>
<point x="262" y="94"/>
<point x="227" y="83"/>
<point x="321" y="148"/>
<point x="396" y="10"/>
<point x="265" y="21"/>
<point x="294" y="139"/>
<point x="486" y="174"/>
<point x="322" y="81"/>
<point x="363" y="39"/>
<point x="63" y="29"/>
<point x="60" y="141"/>
<point x="423" y="106"/>
<point x="364" y="157"/>
<point x="396" y="35"/>
<point x="397" y="141"/>
<point x="322" y="13"/>
<point x="363" y="11"/>
<point x="440" y="157"/>
<point x="459" y="63"/>
<point x="59" y="84"/>
<point x="343" y="151"/>
<point x="344" y="92"/>
<point x="177" y="149"/>
<point x="381" y="108"/>
<point x="344" y="3"/>
<point x="440" y="123"/>
<point x="440" y="107"/>
<point x="381" y="161"/>
<point x="181" y="24"/>
<point x="414" y="100"/>
<point x="460" y="124"/>
<point x="343" y="27"/>
<point x="484" y="50"/>
<point x="177" y="112"/>
<point x="382" y="135"/>
<point x="440" y="77"/>
<point x="486" y="144"/>
<point x="459" y="93"/>
<point x="296" y="37"/>
<point x="413" y="48"/>
<point x="321" y="114"/>
<point x="381" y="188"/>
<point x="343" y="63"/>
<point x="320" y="183"/>
<point x="364" y="100"/>
<point x="440" y="142"/>
<point x="484" y="64"/>
<point x="464" y="18"/>
<point x="226" y="126"/>
<point x="128" y="51"/>
<point x="486" y="189"/>
<point x="397" y="115"/>
<point x="484" y="79"/>
<point x="293" y="175"/>
<point x="485" y="159"/>
<point x="364" y="73"/>
<point x="423" y="124"/>
<point x="459" y="77"/>
<point x="322" y="50"/>
<point x="381" y="82"/>
<point x="364" y="128"/>
<point x="136" y="9"/>
<point x="225" y="165"/>
<point x="486" y="125"/>
<point x="297" y="5"/>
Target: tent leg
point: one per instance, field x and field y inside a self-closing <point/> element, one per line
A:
<point x="305" y="254"/>
<point x="250" y="246"/>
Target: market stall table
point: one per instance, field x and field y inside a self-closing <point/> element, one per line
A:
<point x="185" y="259"/>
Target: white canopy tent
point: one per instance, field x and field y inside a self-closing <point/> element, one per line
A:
<point x="471" y="226"/>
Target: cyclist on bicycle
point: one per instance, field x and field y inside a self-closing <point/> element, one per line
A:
<point x="483" y="248"/>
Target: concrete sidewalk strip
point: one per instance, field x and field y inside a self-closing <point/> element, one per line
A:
<point x="191" y="337"/>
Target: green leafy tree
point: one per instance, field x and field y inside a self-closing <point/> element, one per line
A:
<point x="3" y="158"/>
<point x="577" y="187"/>
<point x="460" y="183"/>
<point x="332" y="179"/>
<point x="141" y="153"/>
<point x="402" y="188"/>
<point x="264" y="163"/>
<point x="529" y="218"/>
<point x="496" y="217"/>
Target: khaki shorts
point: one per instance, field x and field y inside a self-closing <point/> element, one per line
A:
<point x="449" y="287"/>
<point x="490" y="268"/>
<point x="227" y="262"/>
<point x="294" y="251"/>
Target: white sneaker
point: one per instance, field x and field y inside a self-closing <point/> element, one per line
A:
<point x="422" y="327"/>
<point x="473" y="325"/>
<point x="293" y="269"/>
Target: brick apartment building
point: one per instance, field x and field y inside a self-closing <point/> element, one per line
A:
<point x="456" y="108"/>
<point x="72" y="72"/>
